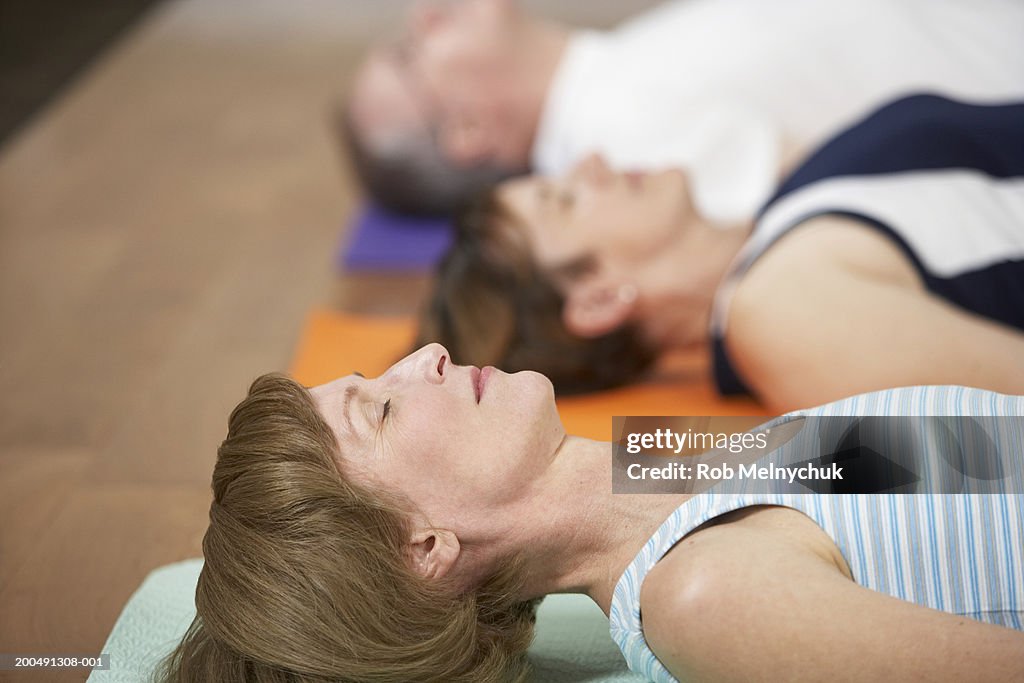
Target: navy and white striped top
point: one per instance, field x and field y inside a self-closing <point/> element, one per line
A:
<point x="960" y="553"/>
<point x="943" y="179"/>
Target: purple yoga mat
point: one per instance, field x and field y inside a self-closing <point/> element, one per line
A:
<point x="382" y="240"/>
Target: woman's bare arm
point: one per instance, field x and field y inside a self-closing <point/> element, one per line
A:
<point x="835" y="309"/>
<point x="764" y="601"/>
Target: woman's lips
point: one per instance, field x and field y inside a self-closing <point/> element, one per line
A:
<point x="474" y="379"/>
<point x="481" y="382"/>
<point x="479" y="379"/>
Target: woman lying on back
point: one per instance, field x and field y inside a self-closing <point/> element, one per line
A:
<point x="402" y="528"/>
<point x="893" y="256"/>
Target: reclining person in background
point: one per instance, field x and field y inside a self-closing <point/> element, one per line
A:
<point x="475" y="90"/>
<point x="893" y="256"/>
<point x="401" y="529"/>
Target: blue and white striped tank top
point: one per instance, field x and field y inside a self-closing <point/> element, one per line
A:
<point x="944" y="180"/>
<point x="960" y="553"/>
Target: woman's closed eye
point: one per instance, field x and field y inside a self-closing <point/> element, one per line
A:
<point x="558" y="198"/>
<point x="385" y="411"/>
<point x="566" y="199"/>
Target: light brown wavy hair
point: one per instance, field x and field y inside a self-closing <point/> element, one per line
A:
<point x="492" y="304"/>
<point x="306" y="576"/>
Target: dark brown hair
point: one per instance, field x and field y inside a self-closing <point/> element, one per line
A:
<point x="306" y="577"/>
<point x="493" y="305"/>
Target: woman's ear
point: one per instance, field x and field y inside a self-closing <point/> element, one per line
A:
<point x="596" y="305"/>
<point x="433" y="552"/>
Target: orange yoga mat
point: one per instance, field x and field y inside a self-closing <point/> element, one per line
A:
<point x="335" y="344"/>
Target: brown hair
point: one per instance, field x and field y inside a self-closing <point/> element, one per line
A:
<point x="306" y="576"/>
<point x="493" y="305"/>
<point x="411" y="174"/>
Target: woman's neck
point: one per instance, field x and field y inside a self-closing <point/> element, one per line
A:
<point x="679" y="287"/>
<point x="581" y="536"/>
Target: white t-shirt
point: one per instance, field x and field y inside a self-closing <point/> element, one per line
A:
<point x="721" y="87"/>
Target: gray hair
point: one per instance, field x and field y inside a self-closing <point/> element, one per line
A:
<point x="410" y="174"/>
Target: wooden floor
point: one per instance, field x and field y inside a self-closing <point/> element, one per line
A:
<point x="164" y="226"/>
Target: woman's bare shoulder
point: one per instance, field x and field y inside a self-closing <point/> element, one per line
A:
<point x="714" y="575"/>
<point x="734" y="540"/>
<point x="756" y="598"/>
<point x="797" y="306"/>
<point x="823" y="250"/>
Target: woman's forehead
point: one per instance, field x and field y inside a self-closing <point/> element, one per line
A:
<point x="519" y="198"/>
<point x="522" y="220"/>
<point x="336" y="401"/>
<point x="334" y="388"/>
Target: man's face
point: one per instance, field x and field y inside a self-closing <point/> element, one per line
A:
<point x="438" y="78"/>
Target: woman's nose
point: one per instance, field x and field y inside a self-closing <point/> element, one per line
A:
<point x="592" y="169"/>
<point x="430" y="363"/>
